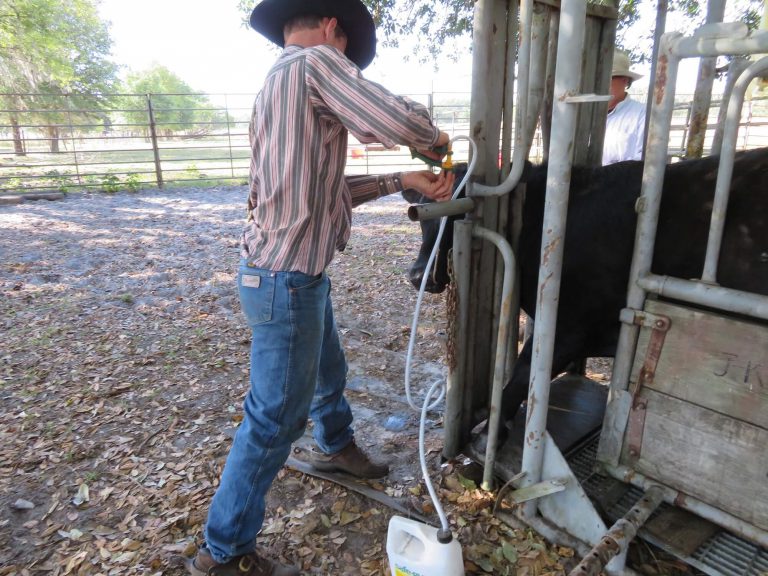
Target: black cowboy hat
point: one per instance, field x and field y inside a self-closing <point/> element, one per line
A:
<point x="269" y="17"/>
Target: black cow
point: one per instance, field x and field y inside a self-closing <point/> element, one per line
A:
<point x="600" y="234"/>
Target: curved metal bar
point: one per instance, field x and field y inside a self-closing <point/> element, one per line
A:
<point x="500" y="359"/>
<point x="725" y="169"/>
<point x="523" y="67"/>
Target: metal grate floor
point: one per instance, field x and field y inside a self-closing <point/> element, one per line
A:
<point x="724" y="554"/>
<point x="727" y="554"/>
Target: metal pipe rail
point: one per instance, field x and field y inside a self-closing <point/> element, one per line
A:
<point x="90" y="155"/>
<point x="746" y="303"/>
<point x="618" y="537"/>
<point x="567" y="81"/>
<point x="421" y="212"/>
<point x="500" y="359"/>
<point x="702" y="509"/>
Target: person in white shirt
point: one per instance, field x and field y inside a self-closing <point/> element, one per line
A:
<point x="625" y="124"/>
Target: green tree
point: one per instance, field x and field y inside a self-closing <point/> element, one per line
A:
<point x="54" y="64"/>
<point x="176" y="106"/>
<point x="762" y="84"/>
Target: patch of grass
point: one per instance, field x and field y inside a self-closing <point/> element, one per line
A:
<point x="132" y="182"/>
<point x="49" y="430"/>
<point x="91" y="476"/>
<point x="110" y="184"/>
<point x="45" y="337"/>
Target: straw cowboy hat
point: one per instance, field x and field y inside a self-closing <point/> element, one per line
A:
<point x="269" y="17"/>
<point x="621" y="66"/>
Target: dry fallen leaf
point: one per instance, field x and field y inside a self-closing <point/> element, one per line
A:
<point x="82" y="495"/>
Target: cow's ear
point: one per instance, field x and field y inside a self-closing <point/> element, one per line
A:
<point x="526" y="171"/>
<point x="413" y="197"/>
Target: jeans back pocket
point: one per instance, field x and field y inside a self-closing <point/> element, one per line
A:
<point x="257" y="294"/>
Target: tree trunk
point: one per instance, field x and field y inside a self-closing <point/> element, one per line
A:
<point x="18" y="138"/>
<point x="53" y="135"/>
<point x="702" y="96"/>
<point x="762" y="83"/>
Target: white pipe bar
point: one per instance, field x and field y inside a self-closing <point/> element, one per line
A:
<point x="509" y="112"/>
<point x="573" y="16"/>
<point x="538" y="72"/>
<point x="500" y="360"/>
<point x="702" y="95"/>
<point x="736" y="66"/>
<point x="746" y="303"/>
<point x="693" y="46"/>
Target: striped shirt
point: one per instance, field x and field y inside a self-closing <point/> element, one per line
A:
<point x="300" y="202"/>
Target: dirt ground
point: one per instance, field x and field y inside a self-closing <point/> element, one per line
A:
<point x="123" y="364"/>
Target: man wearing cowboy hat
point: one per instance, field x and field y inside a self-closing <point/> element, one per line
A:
<point x="299" y="213"/>
<point x="625" y="125"/>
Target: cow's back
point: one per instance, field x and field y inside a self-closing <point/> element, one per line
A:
<point x="685" y="214"/>
<point x="599" y="236"/>
<point x="602" y="220"/>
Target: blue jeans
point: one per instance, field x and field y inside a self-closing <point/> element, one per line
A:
<point x="298" y="370"/>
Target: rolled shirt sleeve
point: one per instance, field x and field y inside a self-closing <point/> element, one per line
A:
<point x="369" y="111"/>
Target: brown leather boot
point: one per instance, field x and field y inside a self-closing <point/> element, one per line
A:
<point x="246" y="565"/>
<point x="351" y="460"/>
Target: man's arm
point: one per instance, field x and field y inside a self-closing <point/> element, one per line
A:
<point x="435" y="186"/>
<point x="369" y="111"/>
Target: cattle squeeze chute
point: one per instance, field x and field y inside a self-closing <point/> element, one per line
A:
<point x="681" y="400"/>
<point x="640" y="369"/>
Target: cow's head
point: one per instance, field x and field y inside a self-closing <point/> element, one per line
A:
<point x="438" y="276"/>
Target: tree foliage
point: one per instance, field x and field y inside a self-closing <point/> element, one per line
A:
<point x="53" y="54"/>
<point x="176" y="106"/>
<point x="54" y="43"/>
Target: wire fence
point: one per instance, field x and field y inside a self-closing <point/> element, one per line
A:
<point x="131" y="141"/>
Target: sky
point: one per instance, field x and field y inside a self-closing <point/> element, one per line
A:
<point x="205" y="44"/>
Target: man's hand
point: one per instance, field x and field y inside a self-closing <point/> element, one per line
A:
<point x="438" y="187"/>
<point x="442" y="140"/>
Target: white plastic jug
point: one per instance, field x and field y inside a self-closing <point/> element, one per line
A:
<point x="414" y="550"/>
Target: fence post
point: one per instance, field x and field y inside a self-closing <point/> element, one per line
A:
<point x="155" y="149"/>
<point x="229" y="136"/>
<point x="72" y="137"/>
